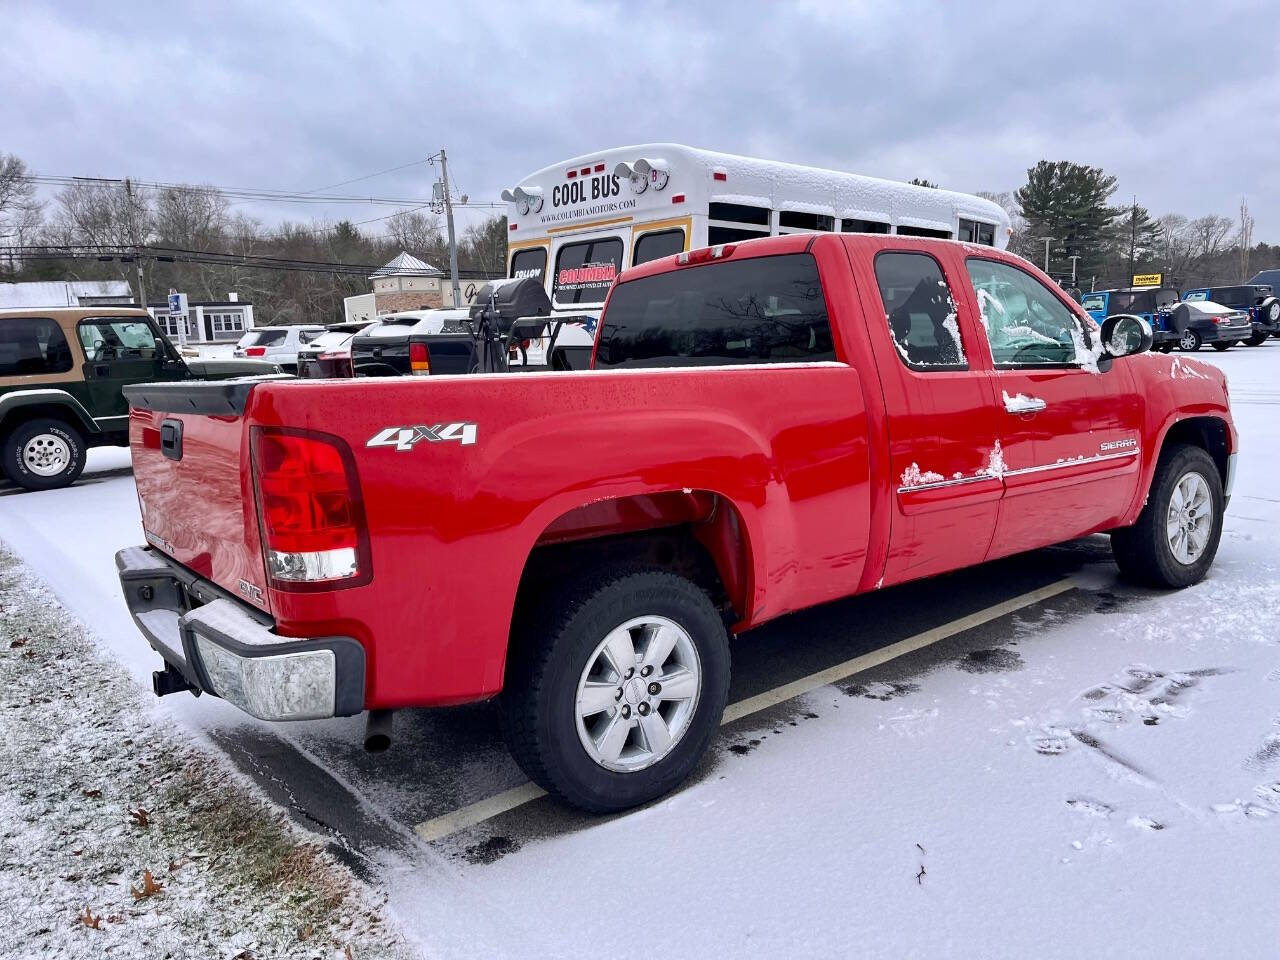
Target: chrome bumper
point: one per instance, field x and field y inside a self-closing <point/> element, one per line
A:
<point x="222" y="647"/>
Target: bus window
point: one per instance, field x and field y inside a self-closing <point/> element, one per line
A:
<point x="733" y="222"/>
<point x="585" y="271"/>
<point x="795" y="220"/>
<point x="656" y="245"/>
<point x="739" y="213"/>
<point x="923" y="232"/>
<point x="863" y="226"/>
<point x="529" y="263"/>
<point x="718" y="235"/>
<point x="975" y="231"/>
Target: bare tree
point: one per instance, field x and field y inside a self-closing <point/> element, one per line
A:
<point x="1018" y="240"/>
<point x="20" y="212"/>
<point x="1245" y="238"/>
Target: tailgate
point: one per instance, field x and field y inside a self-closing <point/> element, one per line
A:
<point x="190" y="450"/>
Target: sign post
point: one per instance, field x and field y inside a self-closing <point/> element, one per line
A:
<point x="178" y="311"/>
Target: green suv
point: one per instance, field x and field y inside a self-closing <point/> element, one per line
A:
<point x="61" y="374"/>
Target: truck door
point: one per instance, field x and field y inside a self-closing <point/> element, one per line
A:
<point x="941" y="413"/>
<point x="1069" y="435"/>
<point x="117" y="351"/>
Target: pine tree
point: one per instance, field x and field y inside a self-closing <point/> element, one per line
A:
<point x="1068" y="202"/>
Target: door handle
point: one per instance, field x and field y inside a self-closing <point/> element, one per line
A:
<point x="1023" y="404"/>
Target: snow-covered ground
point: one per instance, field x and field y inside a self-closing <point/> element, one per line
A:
<point x="1096" y="774"/>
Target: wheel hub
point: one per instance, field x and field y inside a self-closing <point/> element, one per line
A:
<point x="46" y="455"/>
<point x="638" y="693"/>
<point x="1190" y="518"/>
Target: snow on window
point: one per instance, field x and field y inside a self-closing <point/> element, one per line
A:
<point x="1087" y="354"/>
<point x="920" y="311"/>
<point x="913" y="476"/>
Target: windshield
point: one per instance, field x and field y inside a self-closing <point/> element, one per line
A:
<point x="1094" y="301"/>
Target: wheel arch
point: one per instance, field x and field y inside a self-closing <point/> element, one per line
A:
<point x="700" y="534"/>
<point x="24" y="405"/>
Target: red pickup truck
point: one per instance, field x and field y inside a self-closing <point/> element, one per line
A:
<point x="767" y="426"/>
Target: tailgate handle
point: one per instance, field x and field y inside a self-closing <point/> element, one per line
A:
<point x="171" y="439"/>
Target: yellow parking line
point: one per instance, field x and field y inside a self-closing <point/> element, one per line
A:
<point x="472" y="814"/>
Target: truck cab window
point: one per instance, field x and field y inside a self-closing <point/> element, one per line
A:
<point x="759" y="310"/>
<point x="117" y="340"/>
<point x="920" y="311"/>
<point x="1025" y="323"/>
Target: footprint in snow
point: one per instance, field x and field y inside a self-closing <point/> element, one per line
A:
<point x="1050" y="744"/>
<point x="1092" y="808"/>
<point x="1268" y="793"/>
<point x="1105" y="714"/>
<point x="1145" y="823"/>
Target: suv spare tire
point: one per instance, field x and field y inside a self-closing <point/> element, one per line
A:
<point x="44" y="454"/>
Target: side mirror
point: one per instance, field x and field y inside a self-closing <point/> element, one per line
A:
<point x="1124" y="334"/>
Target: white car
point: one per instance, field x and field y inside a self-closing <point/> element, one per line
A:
<point x="278" y="344"/>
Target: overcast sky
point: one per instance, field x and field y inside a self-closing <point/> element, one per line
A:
<point x="1179" y="100"/>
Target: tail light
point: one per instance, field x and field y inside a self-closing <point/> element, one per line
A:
<point x="310" y="510"/>
<point x="703" y="254"/>
<point x="255" y="351"/>
<point x="419" y="360"/>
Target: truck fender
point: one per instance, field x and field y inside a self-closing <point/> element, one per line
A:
<point x="47" y="397"/>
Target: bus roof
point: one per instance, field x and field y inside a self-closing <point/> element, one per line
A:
<point x="598" y="186"/>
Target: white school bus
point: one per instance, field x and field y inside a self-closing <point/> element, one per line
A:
<point x="576" y="224"/>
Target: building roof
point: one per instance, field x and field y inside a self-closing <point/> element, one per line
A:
<point x="164" y="304"/>
<point x="406" y="265"/>
<point x="59" y="293"/>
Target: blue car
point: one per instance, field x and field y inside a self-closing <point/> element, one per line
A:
<point x="1152" y="304"/>
<point x="1255" y="299"/>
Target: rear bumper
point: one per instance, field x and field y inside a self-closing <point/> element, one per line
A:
<point x="223" y="647"/>
<point x="1218" y="333"/>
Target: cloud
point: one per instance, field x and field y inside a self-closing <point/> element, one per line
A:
<point x="299" y="95"/>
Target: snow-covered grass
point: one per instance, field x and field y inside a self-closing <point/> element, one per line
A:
<point x="119" y="837"/>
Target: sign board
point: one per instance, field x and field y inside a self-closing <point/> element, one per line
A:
<point x="178" y="312"/>
<point x="1148" y="279"/>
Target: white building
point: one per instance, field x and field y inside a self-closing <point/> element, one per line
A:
<point x="65" y="293"/>
<point x="208" y="321"/>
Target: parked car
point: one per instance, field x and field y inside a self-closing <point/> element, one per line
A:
<point x="760" y="433"/>
<point x="1153" y="304"/>
<point x="329" y="355"/>
<point x="382" y="349"/>
<point x="61" y="375"/>
<point x="278" y="344"/>
<point x="1270" y="277"/>
<point x="1255" y="299"/>
<point x="1197" y="323"/>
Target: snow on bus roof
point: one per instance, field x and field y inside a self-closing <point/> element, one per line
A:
<point x="783" y="185"/>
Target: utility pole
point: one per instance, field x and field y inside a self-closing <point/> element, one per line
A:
<point x="453" y="243"/>
<point x="1133" y="236"/>
<point x="137" y="248"/>
<point x="1047" y="241"/>
<point x="1073" y="258"/>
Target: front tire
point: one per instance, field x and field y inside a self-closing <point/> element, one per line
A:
<point x="44" y="455"/>
<point x="616" y="689"/>
<point x="1222" y="347"/>
<point x="1176" y="537"/>
<point x="1189" y="341"/>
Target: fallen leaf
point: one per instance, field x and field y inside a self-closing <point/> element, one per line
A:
<point x="90" y="920"/>
<point x="150" y="887"/>
<point x="92" y="794"/>
<point x="20" y="642"/>
<point x="347" y="953"/>
<point x="305" y="932"/>
<point x="141" y="817"/>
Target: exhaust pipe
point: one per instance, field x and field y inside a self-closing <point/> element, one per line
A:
<point x="377" y="731"/>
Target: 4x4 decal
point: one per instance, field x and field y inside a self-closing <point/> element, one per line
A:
<point x="403" y="438"/>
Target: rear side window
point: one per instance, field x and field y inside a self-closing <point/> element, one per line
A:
<point x="106" y="340"/>
<point x="264" y="337"/>
<point x="920" y="311"/>
<point x="585" y="271"/>
<point x="655" y="246"/>
<point x="762" y="310"/>
<point x="1195" y="296"/>
<point x="32" y="345"/>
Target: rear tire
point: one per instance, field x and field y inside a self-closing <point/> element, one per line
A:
<point x="566" y="658"/>
<point x="1258" y="339"/>
<point x="1147" y="552"/>
<point x="44" y="455"/>
<point x="1221" y="347"/>
<point x="1189" y="341"/>
<point x="1165" y="348"/>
